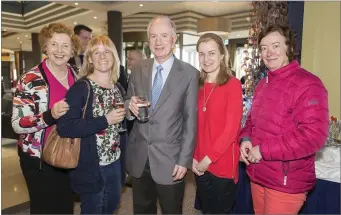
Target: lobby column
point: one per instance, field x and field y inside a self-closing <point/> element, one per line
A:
<point x="36" y="52"/>
<point x="295" y="19"/>
<point x="115" y="30"/>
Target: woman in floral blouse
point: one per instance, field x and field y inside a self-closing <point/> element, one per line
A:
<point x="97" y="178"/>
<point x="38" y="102"/>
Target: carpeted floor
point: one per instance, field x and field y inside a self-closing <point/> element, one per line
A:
<point x="126" y="204"/>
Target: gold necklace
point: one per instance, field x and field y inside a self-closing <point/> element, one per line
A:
<point x="205" y="102"/>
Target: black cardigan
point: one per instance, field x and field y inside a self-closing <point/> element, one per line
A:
<point x="86" y="177"/>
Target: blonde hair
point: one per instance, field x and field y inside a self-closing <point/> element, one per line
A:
<point x="47" y="32"/>
<point x="88" y="68"/>
<point x="225" y="73"/>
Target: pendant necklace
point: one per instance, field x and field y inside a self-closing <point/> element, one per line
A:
<point x="205" y="102"/>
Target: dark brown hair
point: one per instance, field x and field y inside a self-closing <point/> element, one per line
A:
<point x="287" y="33"/>
<point x="225" y="73"/>
<point x="48" y="31"/>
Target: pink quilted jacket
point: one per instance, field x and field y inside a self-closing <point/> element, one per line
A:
<point x="289" y="122"/>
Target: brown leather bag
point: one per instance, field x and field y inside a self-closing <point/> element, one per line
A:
<point x="60" y="151"/>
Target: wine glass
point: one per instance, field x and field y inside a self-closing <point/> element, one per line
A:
<point x="118" y="105"/>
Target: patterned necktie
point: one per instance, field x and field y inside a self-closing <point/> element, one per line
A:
<point x="157" y="85"/>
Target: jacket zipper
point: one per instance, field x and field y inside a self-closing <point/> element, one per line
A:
<point x="285" y="171"/>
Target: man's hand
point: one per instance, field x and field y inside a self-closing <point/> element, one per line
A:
<point x="133" y="105"/>
<point x="245" y="148"/>
<point x="194" y="168"/>
<point x="255" y="155"/>
<point x="179" y="172"/>
<point x="203" y="165"/>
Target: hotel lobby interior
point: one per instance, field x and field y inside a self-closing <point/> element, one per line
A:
<point x="317" y="25"/>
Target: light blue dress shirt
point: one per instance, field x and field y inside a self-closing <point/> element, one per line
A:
<point x="167" y="66"/>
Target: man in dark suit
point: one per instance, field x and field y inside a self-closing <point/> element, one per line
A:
<point x="84" y="33"/>
<point x="160" y="151"/>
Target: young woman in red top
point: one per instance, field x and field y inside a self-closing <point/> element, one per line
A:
<point x="216" y="155"/>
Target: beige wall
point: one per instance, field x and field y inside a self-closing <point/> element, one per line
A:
<point x="321" y="47"/>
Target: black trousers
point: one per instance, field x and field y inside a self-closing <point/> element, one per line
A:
<point x="49" y="188"/>
<point x="216" y="195"/>
<point x="146" y="192"/>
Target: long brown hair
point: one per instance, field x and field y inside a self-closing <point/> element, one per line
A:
<point x="88" y="68"/>
<point x="225" y="73"/>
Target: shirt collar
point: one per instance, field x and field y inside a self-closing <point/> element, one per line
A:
<point x="167" y="64"/>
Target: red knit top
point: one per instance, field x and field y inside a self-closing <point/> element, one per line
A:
<point x="219" y="126"/>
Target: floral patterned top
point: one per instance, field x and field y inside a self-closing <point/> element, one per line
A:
<point x="108" y="140"/>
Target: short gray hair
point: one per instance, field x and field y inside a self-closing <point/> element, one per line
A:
<point x="173" y="26"/>
<point x="142" y="55"/>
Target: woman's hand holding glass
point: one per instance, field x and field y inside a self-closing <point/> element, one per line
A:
<point x="59" y="109"/>
<point x="115" y="116"/>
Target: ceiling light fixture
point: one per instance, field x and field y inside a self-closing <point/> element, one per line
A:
<point x="141" y="5"/>
<point x="76" y="3"/>
<point x="220" y="26"/>
<point x="75" y="23"/>
<point x="26" y="35"/>
<point x="5" y="29"/>
<point x="18" y="38"/>
<point x="95" y="17"/>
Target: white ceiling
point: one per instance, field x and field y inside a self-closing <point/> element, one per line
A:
<point x="99" y="9"/>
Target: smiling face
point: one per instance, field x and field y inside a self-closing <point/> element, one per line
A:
<point x="102" y="59"/>
<point x="162" y="39"/>
<point x="274" y="51"/>
<point x="59" y="49"/>
<point x="210" y="56"/>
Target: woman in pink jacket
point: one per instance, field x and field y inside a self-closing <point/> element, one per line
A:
<point x="286" y="126"/>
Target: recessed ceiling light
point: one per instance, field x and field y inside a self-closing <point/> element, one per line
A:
<point x="95" y="17"/>
<point x="75" y="23"/>
<point x="5" y="29"/>
<point x="141" y="5"/>
<point x="76" y="3"/>
<point x="20" y="42"/>
<point x="18" y="38"/>
<point x="26" y="35"/>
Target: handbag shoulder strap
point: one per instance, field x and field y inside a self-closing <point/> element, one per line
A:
<point x="87" y="98"/>
<point x="119" y="86"/>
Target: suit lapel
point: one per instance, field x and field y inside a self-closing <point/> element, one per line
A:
<point x="147" y="77"/>
<point x="172" y="81"/>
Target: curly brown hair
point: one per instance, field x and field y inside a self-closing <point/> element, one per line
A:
<point x="287" y="33"/>
<point x="47" y="32"/>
